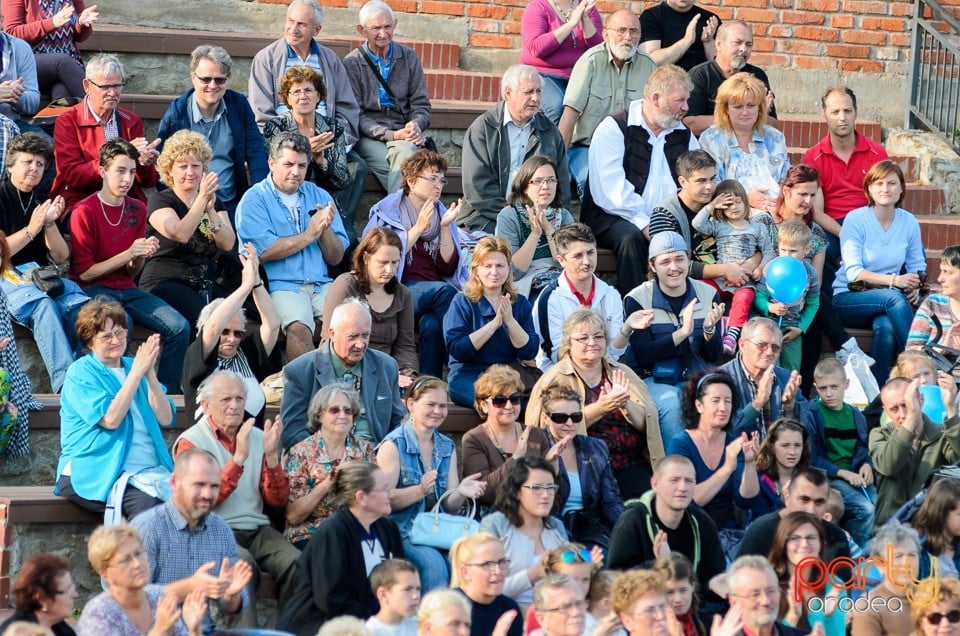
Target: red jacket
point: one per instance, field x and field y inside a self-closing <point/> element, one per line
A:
<point x="77" y="137"/>
<point x="23" y="19"/>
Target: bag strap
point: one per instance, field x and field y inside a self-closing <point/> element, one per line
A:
<point x="383" y="82"/>
<point x="472" y="511"/>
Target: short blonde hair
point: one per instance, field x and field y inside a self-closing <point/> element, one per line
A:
<point x="737" y="88"/>
<point x="497" y="379"/>
<point x="795" y="233"/>
<point x="183" y="144"/>
<point x="948" y="590"/>
<point x="633" y="584"/>
<point x="103" y="544"/>
<point x="438" y="601"/>
<point x="463" y="550"/>
<point x="574" y="320"/>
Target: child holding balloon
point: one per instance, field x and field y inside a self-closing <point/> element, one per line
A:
<point x="790" y="291"/>
<point x="726" y="219"/>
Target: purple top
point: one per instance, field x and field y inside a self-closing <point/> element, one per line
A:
<point x="541" y="49"/>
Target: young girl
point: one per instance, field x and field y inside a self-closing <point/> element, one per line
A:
<point x="938" y="522"/>
<point x="681" y="594"/>
<point x="600" y="614"/>
<point x="916" y="364"/>
<point x="727" y="220"/>
<point x="783" y="451"/>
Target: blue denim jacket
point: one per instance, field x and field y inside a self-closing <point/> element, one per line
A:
<point x="412" y="469"/>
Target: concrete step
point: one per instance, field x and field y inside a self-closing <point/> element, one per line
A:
<point x="939" y="232"/>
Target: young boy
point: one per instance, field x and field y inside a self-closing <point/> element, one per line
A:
<point x="834" y="513"/>
<point x="396" y="583"/>
<point x="838" y="445"/>
<point x="793" y="240"/>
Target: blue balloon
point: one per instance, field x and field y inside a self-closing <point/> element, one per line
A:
<point x="786" y="279"/>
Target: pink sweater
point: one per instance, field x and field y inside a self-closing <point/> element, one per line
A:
<point x="541" y="49"/>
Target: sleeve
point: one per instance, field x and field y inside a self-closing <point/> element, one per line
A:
<point x="922" y="329"/>
<point x="481" y="178"/>
<point x="29" y="101"/>
<point x="614" y="193"/>
<point x="15" y="22"/>
<point x="419" y="101"/>
<point x="661" y="220"/>
<point x="260" y="87"/>
<point x="610" y="500"/>
<point x="915" y="259"/>
<point x="81" y="388"/>
<point x="890" y="451"/>
<point x="683" y="445"/>
<point x="297" y="385"/>
<point x="341" y="289"/>
<point x="767" y="251"/>
<point x="762" y="299"/>
<point x="535" y="31"/>
<point x="578" y="86"/>
<point x="347" y="109"/>
<point x="508" y="228"/>
<point x="650" y="27"/>
<point x="330" y="579"/>
<point x="711" y="140"/>
<point x="698" y="104"/>
<point x="405" y="346"/>
<point x="83" y="237"/>
<point x="254" y="223"/>
<point x="255" y="148"/>
<point x="779" y="157"/>
<point x="630" y="545"/>
<point x="147" y="175"/>
<point x="704" y="224"/>
<point x="274" y="485"/>
<point x="852" y="239"/>
<point x="811" y="303"/>
<point x="168" y="123"/>
<point x="476" y="460"/>
<point x="861" y="453"/>
<point x="523" y="313"/>
<point x="77" y="171"/>
<point x="647" y="348"/>
<point x="457" y="327"/>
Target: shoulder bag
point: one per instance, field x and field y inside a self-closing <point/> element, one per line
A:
<point x="439" y="529"/>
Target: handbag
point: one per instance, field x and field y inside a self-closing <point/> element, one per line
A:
<point x="586" y="528"/>
<point x="47" y="279"/>
<point x="439" y="529"/>
<point x="528" y="375"/>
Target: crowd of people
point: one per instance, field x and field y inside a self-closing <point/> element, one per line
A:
<point x="674" y="453"/>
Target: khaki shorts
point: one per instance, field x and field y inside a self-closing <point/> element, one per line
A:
<point x="305" y="306"/>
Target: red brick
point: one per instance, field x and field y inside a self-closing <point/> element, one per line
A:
<point x="763" y="44"/>
<point x="440" y="8"/>
<point x="848" y="51"/>
<point x="864" y="37"/>
<point x="513" y="28"/>
<point x="778" y="31"/>
<point x="866" y="66"/>
<point x="865" y="6"/>
<point x="757" y="4"/>
<point x="404" y="6"/>
<point x="893" y="25"/>
<point x="825" y="6"/>
<point x="841" y="21"/>
<point x="781" y="4"/>
<point x="814" y="62"/>
<point x="769" y="59"/>
<point x="489" y="41"/>
<point x="489" y="11"/>
<point x="757" y="16"/>
<point x="816" y="33"/>
<point x="904" y="10"/>
<point x="900" y="39"/>
<point x="485" y="26"/>
<point x="801" y="17"/>
<point x="799" y="47"/>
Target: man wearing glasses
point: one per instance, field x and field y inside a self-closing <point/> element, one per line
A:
<point x="754" y="589"/>
<point x="559" y="604"/>
<point x="766" y="391"/>
<point x="225" y="118"/>
<point x="81" y="130"/>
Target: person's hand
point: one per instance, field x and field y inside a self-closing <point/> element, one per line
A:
<point x="674" y="628"/>
<point x="948" y="392"/>
<point x="790" y="390"/>
<point x="209" y="184"/>
<point x="714" y="314"/>
<point x="733" y="449"/>
<point x="792" y="333"/>
<point x="89" y="16"/>
<point x="545" y="224"/>
<point x="522" y="442"/>
<point x="427" y="482"/>
<point x="504" y="623"/>
<point x="271" y="436"/>
<point x="735" y="274"/>
<point x="614" y="395"/>
<point x="820" y="630"/>
<point x="640" y="319"/>
<point x="730" y="625"/>
<point x="850" y="477"/>
<point x="771" y="100"/>
<point x="690" y="35"/>
<point x="686" y="319"/>
<point x="577" y="13"/>
<point x="59" y="204"/>
<point x="166" y="614"/>
<point x="451" y="214"/>
<point x="866" y="474"/>
<point x="607" y="626"/>
<point x="764" y="386"/>
<point x="148" y="151"/>
<point x="212" y="586"/>
<point x="709" y="29"/>
<point x="661" y="549"/>
<point x="319" y="144"/>
<point x="472" y="486"/>
<point x="506" y="310"/>
<point x="321" y="220"/>
<point x="11" y="90"/>
<point x="557" y="449"/>
<point x="750" y="447"/>
<point x="425" y="216"/>
<point x="777" y="309"/>
<point x="242" y="451"/>
<point x="146" y="356"/>
<point x="907" y="282"/>
<point x="761" y="201"/>
<point x="44" y="213"/>
<point x="4" y="342"/>
<point x="406" y="379"/>
<point x="236" y="578"/>
<point x="722" y="201"/>
<point x="194" y="609"/>
<point x="64" y="15"/>
<point x="533" y="220"/>
<point x="250" y="275"/>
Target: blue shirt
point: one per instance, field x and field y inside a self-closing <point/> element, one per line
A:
<point x="865" y="245"/>
<point x="313" y="61"/>
<point x="220" y="138"/>
<point x="383" y="65"/>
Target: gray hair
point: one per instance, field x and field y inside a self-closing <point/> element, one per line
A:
<point x="549" y="583"/>
<point x="205" y="390"/>
<point x="735" y="573"/>
<point x="727" y="26"/>
<point x="759" y="322"/>
<point x="513" y="75"/>
<point x="357" y="304"/>
<point x="310" y="4"/>
<point x="374" y="8"/>
<point x="103" y="64"/>
<point x="893" y="533"/>
<point x="210" y="307"/>
<point x="322" y="398"/>
<point x="292" y="140"/>
<point x="216" y="54"/>
<point x="440" y="600"/>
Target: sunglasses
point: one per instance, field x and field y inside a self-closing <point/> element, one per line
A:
<point x="335" y="410"/>
<point x="500" y="401"/>
<point x="559" y="418"/>
<point x="953" y="616"/>
<point x="575" y="556"/>
<point x="219" y="81"/>
<point x="236" y="333"/>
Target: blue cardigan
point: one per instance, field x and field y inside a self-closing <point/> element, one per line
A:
<point x="248" y="147"/>
<point x="97" y="454"/>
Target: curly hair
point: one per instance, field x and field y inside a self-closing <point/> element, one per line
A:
<point x="508" y="493"/>
<point x="299" y="75"/>
<point x="414" y="165"/>
<point x="473" y="288"/>
<point x="633" y="584"/>
<point x="183" y="145"/>
<point x="93" y="317"/>
<point x="375" y="238"/>
<point x="29" y="143"/>
<point x="766" y="456"/>
<point x="694" y="390"/>
<point x="947" y="591"/>
<point x="36" y="579"/>
<point x="498" y="379"/>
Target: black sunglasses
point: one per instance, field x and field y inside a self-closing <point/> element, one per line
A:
<point x="559" y="418"/>
<point x="500" y="401"/>
<point x="953" y="616"/>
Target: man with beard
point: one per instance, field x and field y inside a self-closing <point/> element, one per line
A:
<point x="632" y="167"/>
<point x="187" y="546"/>
<point x="755" y="589"/>
<point x="604" y="81"/>
<point x="734" y="46"/>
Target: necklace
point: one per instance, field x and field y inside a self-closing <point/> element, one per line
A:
<point x="564" y="15"/>
<point x="29" y="201"/>
<point x="498" y="439"/>
<point x="106" y="218"/>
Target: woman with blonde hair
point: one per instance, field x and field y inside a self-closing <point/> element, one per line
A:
<point x="489" y="323"/>
<point x="479" y="567"/>
<point x="942" y="617"/>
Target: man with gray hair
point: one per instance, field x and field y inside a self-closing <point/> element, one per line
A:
<point x="388" y="82"/>
<point x="295" y="228"/>
<point x="560" y="606"/>
<point x="755" y="589"/>
<point x="81" y="130"/>
<point x="225" y="118"/>
<point x="500" y="140"/>
<point x="344" y="356"/>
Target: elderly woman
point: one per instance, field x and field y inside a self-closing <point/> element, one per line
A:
<point x="935" y="322"/>
<point x="488" y="322"/>
<point x="430" y="262"/>
<point x="555" y="34"/>
<point x="683" y="337"/>
<point x="223" y="343"/>
<point x="479" y="566"/>
<point x="618" y="408"/>
<point x="745" y="147"/>
<point x="332" y="574"/>
<point x="190" y="229"/>
<point x="53" y="30"/>
<point x="310" y="464"/>
<point x="883" y="266"/>
<point x="903" y="543"/>
<point x="112" y="409"/>
<point x="534" y="212"/>
<point x="639" y="597"/>
<point x="34" y="238"/>
<point x="444" y="613"/>
<point x="374" y="278"/>
<point x="130" y="604"/>
<point x="44" y="593"/>
<point x="301" y="89"/>
<point x="941" y="617"/>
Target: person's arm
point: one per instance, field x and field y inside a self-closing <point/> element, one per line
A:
<point x="481" y="175"/>
<point x="508" y="226"/>
<point x="404" y="348"/>
<point x="705" y="491"/>
<point x="29" y="101"/>
<point x="891" y="449"/>
<point x="75" y="167"/>
<point x="15" y="22"/>
<point x="463" y="343"/>
<point x="298" y="387"/>
<point x="304" y="499"/>
<point x="519" y="324"/>
<point x="811" y="304"/>
<point x="671" y="54"/>
<point x="388" y="458"/>
<point x="261" y="91"/>
<point x="821" y="218"/>
<point x="230" y="472"/>
<point x="180" y="230"/>
<point x="568" y="119"/>
<point x="254" y="147"/>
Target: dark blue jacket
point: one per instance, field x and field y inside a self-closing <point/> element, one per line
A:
<point x="601" y="494"/>
<point x="818" y="441"/>
<point x="248" y="147"/>
<point x="747" y="419"/>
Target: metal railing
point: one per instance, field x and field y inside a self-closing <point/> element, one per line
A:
<point x="935" y="72"/>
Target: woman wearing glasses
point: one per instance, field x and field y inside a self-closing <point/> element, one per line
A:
<point x="111" y="411"/>
<point x="524" y="524"/>
<point x="941" y="618"/>
<point x="43" y="594"/>
<point x="310" y="464"/>
<point x="533" y="213"/>
<point x="421" y="466"/>
<point x="430" y="263"/>
<point x="618" y="409"/>
<point x="479" y="566"/>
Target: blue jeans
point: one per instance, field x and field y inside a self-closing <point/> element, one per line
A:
<point x="888" y="313"/>
<point x="667" y="399"/>
<point x="430" y="302"/>
<point x="579" y="165"/>
<point x="859" y="514"/>
<point x="156" y="315"/>
<point x="434" y="571"/>
<point x="552" y="100"/>
<point x="48" y="319"/>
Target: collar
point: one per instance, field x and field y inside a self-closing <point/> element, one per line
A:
<point x="860" y="145"/>
<point x="276" y="191"/>
<point x="746" y="373"/>
<point x="197" y="117"/>
<point x="177" y="519"/>
<point x="229" y="444"/>
<point x="96" y="117"/>
<point x="612" y="60"/>
<point x="366" y="47"/>
<point x="412" y="443"/>
<point x="585" y="301"/>
<point x="508" y="119"/>
<point x="314" y="50"/>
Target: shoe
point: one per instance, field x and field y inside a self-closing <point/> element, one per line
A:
<point x="849" y="348"/>
<point x="729" y="345"/>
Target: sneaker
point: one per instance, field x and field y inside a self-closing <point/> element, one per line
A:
<point x="729" y="345"/>
<point x="849" y="348"/>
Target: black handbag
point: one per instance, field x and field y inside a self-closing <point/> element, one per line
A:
<point x="47" y="279"/>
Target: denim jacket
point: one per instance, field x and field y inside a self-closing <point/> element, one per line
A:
<point x="412" y="469"/>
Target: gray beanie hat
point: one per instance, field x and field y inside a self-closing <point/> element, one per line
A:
<point x="666" y="242"/>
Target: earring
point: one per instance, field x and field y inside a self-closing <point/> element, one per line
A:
<point x="43" y="609"/>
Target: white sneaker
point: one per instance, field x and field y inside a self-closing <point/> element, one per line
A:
<point x="850" y="347"/>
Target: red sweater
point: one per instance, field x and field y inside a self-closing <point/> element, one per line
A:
<point x="95" y="238"/>
<point x="23" y="19"/>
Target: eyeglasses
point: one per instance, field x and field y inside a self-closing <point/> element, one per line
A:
<point x="500" y="401"/>
<point x="297" y="92"/>
<point x="236" y="333"/>
<point x="116" y="334"/>
<point x="809" y="539"/>
<point x="336" y="410"/>
<point x="219" y="81"/>
<point x="434" y="180"/>
<point x="566" y="608"/>
<point x="539" y="489"/>
<point x="763" y="346"/>
<point x="492" y="566"/>
<point x="559" y="418"/>
<point x="126" y="561"/>
<point x="539" y="183"/>
<point x="754" y="595"/>
<point x="573" y="556"/>
<point x="953" y="616"/>
<point x="108" y="87"/>
<point x="582" y="340"/>
<point x="622" y="31"/>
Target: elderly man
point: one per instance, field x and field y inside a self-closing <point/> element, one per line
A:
<point x="81" y="130"/>
<point x="187" y="546"/>
<point x="559" y="605"/>
<point x="755" y="590"/>
<point x="632" y="168"/>
<point x="19" y="91"/>
<point x="251" y="476"/>
<point x="344" y="357"/>
<point x="295" y="228"/>
<point x="225" y="118"/>
<point x="765" y="392"/>
<point x="604" y="80"/>
<point x="734" y="45"/>
<point x="679" y="32"/>
<point x="388" y="82"/>
<point x="907" y="446"/>
<point x="499" y="141"/>
<point x="298" y="47"/>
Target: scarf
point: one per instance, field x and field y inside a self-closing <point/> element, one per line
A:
<point x="429" y="240"/>
<point x="553" y="215"/>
